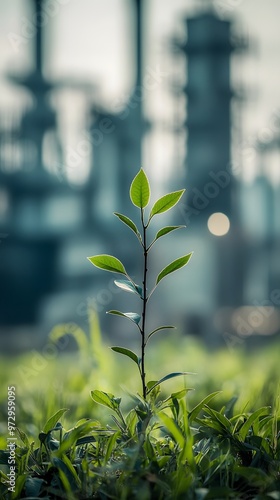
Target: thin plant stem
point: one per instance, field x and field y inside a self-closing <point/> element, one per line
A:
<point x="145" y="300"/>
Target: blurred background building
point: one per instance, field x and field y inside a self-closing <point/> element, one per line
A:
<point x="68" y="155"/>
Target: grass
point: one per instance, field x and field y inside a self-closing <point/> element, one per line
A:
<point x="162" y="450"/>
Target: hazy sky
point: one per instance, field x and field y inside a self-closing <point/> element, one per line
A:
<point x="93" y="39"/>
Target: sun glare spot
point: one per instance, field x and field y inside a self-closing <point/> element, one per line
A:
<point x="218" y="224"/>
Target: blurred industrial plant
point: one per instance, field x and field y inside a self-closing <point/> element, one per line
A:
<point x="57" y="201"/>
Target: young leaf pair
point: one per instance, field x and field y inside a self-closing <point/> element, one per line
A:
<point x="140" y="196"/>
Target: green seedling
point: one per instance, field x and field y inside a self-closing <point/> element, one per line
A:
<point x="140" y="197"/>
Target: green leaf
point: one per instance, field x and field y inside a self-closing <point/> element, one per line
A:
<point x="108" y="263"/>
<point x="67" y="474"/>
<point x="126" y="220"/>
<point x="2" y="475"/>
<point x="174" y="266"/>
<point x="246" y="426"/>
<point x="177" y="395"/>
<point x="230" y="407"/>
<point x="155" y="389"/>
<point x="140" y="190"/>
<point x="129" y="286"/>
<point x="151" y="384"/>
<point x="105" y="399"/>
<point x="134" y="317"/>
<point x="88" y="439"/>
<point x="149" y="450"/>
<point x="224" y="421"/>
<point x="51" y="423"/>
<point x="166" y="230"/>
<point x="158" y="329"/>
<point x="197" y="409"/>
<point x="33" y="486"/>
<point x="172" y="427"/>
<point x="209" y="424"/>
<point x="254" y="476"/>
<point x="167" y="377"/>
<point x="126" y="352"/>
<point x="80" y="430"/>
<point x="23" y="437"/>
<point x="131" y="421"/>
<point x="110" y="446"/>
<point x="166" y="202"/>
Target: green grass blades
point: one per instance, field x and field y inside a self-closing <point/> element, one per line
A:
<point x="185" y="445"/>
